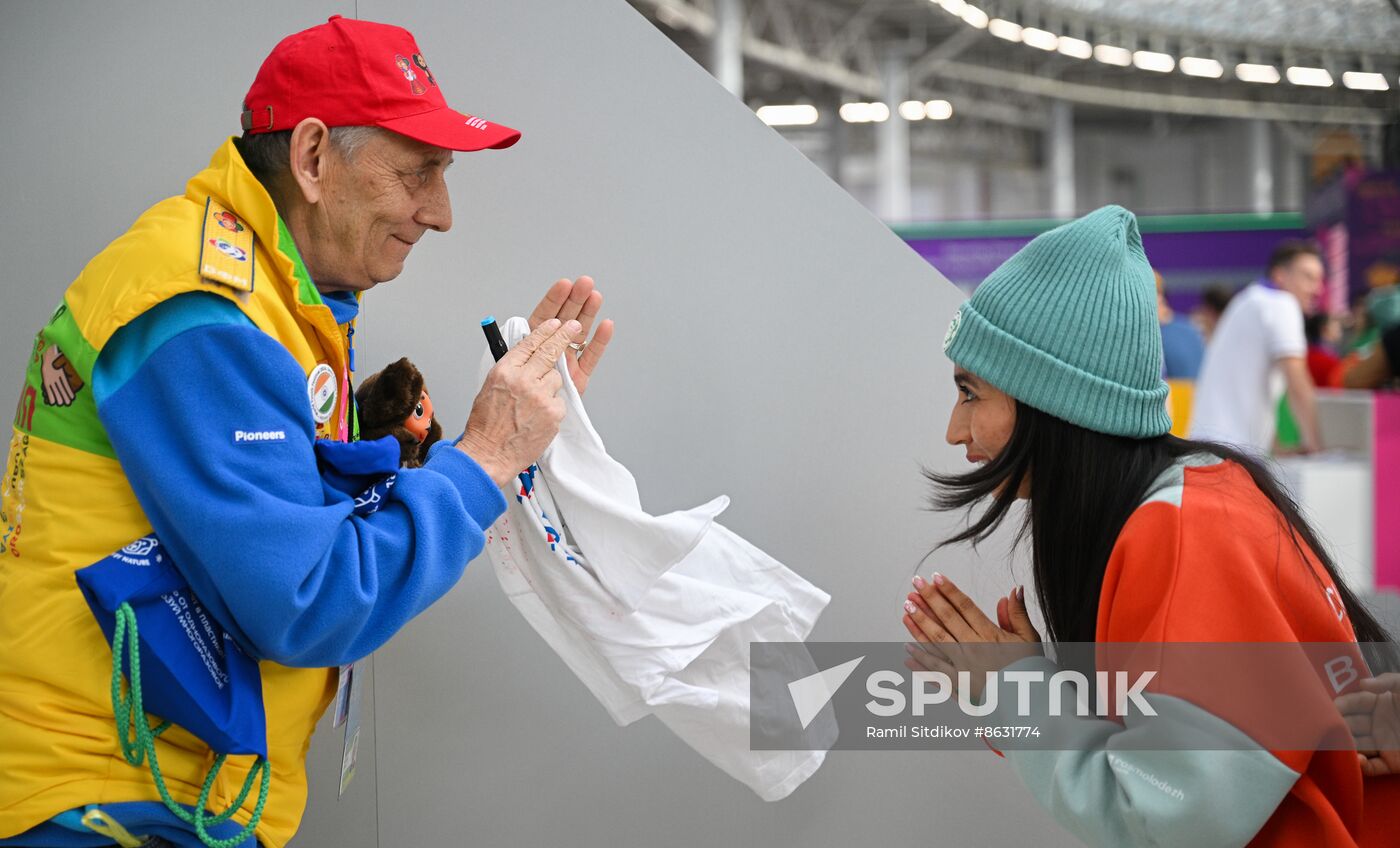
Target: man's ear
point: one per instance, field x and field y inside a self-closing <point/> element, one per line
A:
<point x="310" y="150"/>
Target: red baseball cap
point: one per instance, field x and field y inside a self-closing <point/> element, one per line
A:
<point x="353" y="73"/>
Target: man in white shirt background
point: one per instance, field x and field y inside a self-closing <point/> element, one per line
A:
<point x="1258" y="352"/>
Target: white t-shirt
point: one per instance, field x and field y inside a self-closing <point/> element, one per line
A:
<point x="1240" y="383"/>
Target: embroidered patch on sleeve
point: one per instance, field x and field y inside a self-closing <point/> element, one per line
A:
<point x="226" y="246"/>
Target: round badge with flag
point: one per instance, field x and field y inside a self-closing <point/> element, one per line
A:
<point x="320" y="390"/>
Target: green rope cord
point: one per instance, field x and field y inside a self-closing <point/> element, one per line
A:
<point x="138" y="742"/>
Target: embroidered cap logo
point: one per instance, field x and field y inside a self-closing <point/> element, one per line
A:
<point x="406" y="68"/>
<point x="423" y="66"/>
<point x="952" y="329"/>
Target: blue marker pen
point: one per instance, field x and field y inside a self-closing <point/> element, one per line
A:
<point x="493" y="337"/>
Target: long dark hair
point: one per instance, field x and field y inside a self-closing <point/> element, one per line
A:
<point x="1084" y="487"/>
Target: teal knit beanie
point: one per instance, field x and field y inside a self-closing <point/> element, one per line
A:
<point x="1068" y="325"/>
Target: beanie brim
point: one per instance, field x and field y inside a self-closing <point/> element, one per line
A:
<point x="1042" y="381"/>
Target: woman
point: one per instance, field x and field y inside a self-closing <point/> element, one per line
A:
<point x="1136" y="536"/>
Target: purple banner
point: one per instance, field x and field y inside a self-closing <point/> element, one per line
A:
<point x="1189" y="261"/>
<point x="1373" y="232"/>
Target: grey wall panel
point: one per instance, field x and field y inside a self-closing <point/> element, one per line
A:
<point x="775" y="343"/>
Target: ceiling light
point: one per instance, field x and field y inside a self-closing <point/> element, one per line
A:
<point x="1317" y="77"/>
<point x="788" y="116"/>
<point x="912" y="110"/>
<point x="1365" y="81"/>
<point x="952" y="7"/>
<point x="1110" y="55"/>
<point x="670" y="17"/>
<point x="1040" y="39"/>
<point x="1198" y="67"/>
<point x="938" y="110"/>
<point x="1149" y="60"/>
<point x="1004" y="29"/>
<point x="1256" y="73"/>
<point x="855" y="113"/>
<point x="1077" y="48"/>
<point x="864" y="113"/>
<point x="975" y="17"/>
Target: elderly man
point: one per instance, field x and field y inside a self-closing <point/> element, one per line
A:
<point x="231" y="309"/>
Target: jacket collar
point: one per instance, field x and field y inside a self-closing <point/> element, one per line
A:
<point x="229" y="182"/>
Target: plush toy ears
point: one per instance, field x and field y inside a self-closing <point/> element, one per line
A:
<point x="387" y="398"/>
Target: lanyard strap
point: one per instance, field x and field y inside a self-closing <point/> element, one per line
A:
<point x="138" y="742"/>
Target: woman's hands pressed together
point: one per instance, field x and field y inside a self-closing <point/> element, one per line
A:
<point x="951" y="634"/>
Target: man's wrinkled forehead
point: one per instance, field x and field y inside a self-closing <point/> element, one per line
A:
<point x="406" y="151"/>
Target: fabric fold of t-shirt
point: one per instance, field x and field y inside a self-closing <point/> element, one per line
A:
<point x="654" y="614"/>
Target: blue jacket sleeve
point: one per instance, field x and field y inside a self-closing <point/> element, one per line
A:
<point x="274" y="552"/>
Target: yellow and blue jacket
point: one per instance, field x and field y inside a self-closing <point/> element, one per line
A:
<point x="179" y="388"/>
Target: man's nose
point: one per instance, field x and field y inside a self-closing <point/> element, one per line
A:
<point x="436" y="213"/>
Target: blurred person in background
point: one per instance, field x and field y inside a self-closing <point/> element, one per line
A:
<point x="1259" y="351"/>
<point x="1376" y="366"/>
<point x="1324" y="333"/>
<point x="1214" y="298"/>
<point x="1182" y="344"/>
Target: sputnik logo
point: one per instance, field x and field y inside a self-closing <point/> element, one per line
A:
<point x="811" y="693"/>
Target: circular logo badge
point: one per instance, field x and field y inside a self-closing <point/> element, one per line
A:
<point x="320" y="390"/>
<point x="228" y="222"/>
<point x="952" y="329"/>
<point x="229" y="249"/>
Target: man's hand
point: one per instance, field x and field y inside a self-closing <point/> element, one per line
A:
<point x="1373" y="716"/>
<point x="517" y="412"/>
<point x="580" y="301"/>
<point x="1302" y="401"/>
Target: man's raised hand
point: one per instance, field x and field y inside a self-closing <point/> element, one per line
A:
<point x="580" y="301"/>
<point x="518" y="410"/>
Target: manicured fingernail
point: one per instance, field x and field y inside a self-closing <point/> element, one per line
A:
<point x="572" y="326"/>
<point x="919" y="582"/>
<point x="910" y="608"/>
<point x="1021" y="593"/>
<point x="938" y="579"/>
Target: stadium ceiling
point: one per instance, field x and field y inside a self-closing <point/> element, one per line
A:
<point x="1304" y="61"/>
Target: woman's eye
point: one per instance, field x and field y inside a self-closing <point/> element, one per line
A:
<point x="418" y="411"/>
<point x="967" y="394"/>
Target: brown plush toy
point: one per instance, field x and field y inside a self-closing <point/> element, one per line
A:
<point x="395" y="403"/>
